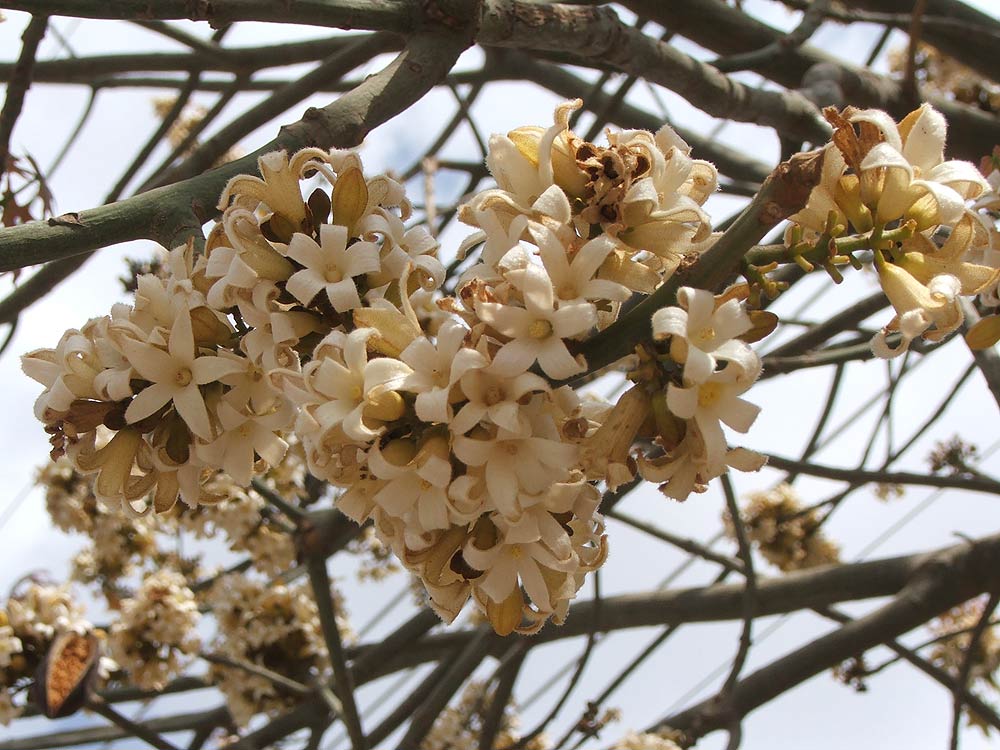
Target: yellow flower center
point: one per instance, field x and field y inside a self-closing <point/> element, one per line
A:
<point x="709" y="395"/>
<point x="540" y="329"/>
<point x="515" y="551"/>
<point x="183" y="377"/>
<point x="704" y="336"/>
<point x="493" y="395"/>
<point x="357" y="392"/>
<point x="332" y="274"/>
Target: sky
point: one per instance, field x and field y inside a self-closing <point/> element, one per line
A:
<point x="901" y="704"/>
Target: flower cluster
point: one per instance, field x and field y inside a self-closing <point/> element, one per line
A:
<point x="29" y="623"/>
<point x="955" y="628"/>
<point x="787" y="534"/>
<point x="442" y="419"/>
<point x="645" y="741"/>
<point x="892" y="184"/>
<point x="155" y="630"/>
<point x="274" y="627"/>
<point x="459" y="726"/>
<point x="708" y="369"/>
<point x="247" y="523"/>
<point x="119" y="543"/>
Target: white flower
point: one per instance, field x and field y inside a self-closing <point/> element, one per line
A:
<point x="175" y="375"/>
<point x="709" y="333"/>
<point x="10" y="644"/>
<point x="917" y="181"/>
<point x="415" y="482"/>
<point x="495" y="398"/>
<point x="537" y="330"/>
<point x="401" y="248"/>
<point x="713" y="402"/>
<point x="330" y="266"/>
<point x="436" y="369"/>
<point x="246" y="434"/>
<point x="574" y="278"/>
<point x="516" y="465"/>
<point x="340" y="383"/>
<point x="519" y="553"/>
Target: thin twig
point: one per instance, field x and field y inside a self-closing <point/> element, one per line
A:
<point x="975" y="484"/>
<point x="295" y="514"/>
<point x="688" y="545"/>
<point x="750" y="593"/>
<point x="506" y="677"/>
<point x="19" y="82"/>
<point x="969" y="659"/>
<point x="910" y="87"/>
<point x="280" y="681"/>
<point x="97" y="705"/>
<point x="811" y="20"/>
<point x="456" y="672"/>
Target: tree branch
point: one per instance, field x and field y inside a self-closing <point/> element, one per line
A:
<point x="948" y="579"/>
<point x="861" y="476"/>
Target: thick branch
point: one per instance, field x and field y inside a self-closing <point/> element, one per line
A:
<point x="727" y="31"/>
<point x="951" y="577"/>
<point x="106" y="733"/>
<point x="86" y="68"/>
<point x="790" y="593"/>
<point x="395" y="15"/>
<point x="169" y="214"/>
<point x="598" y="34"/>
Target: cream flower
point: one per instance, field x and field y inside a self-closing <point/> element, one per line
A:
<point x="537" y="331"/>
<point x="713" y="402"/>
<point x="495" y="398"/>
<point x="701" y="335"/>
<point x="917" y="182"/>
<point x="918" y="307"/>
<point x="574" y="272"/>
<point x="519" y="554"/>
<point x="436" y="369"/>
<point x="340" y="384"/>
<point x="330" y="266"/>
<point x="278" y="186"/>
<point x="516" y="465"/>
<point x="174" y="376"/>
<point x="415" y="482"/>
<point x="243" y="436"/>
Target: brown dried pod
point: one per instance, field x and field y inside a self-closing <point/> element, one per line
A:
<point x="65" y="677"/>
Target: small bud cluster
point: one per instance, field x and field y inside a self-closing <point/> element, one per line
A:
<point x="154" y="635"/>
<point x="887" y="187"/>
<point x="459" y="726"/>
<point x="955" y="631"/>
<point x="274" y="627"/>
<point x="787" y="534"/>
<point x="645" y="741"/>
